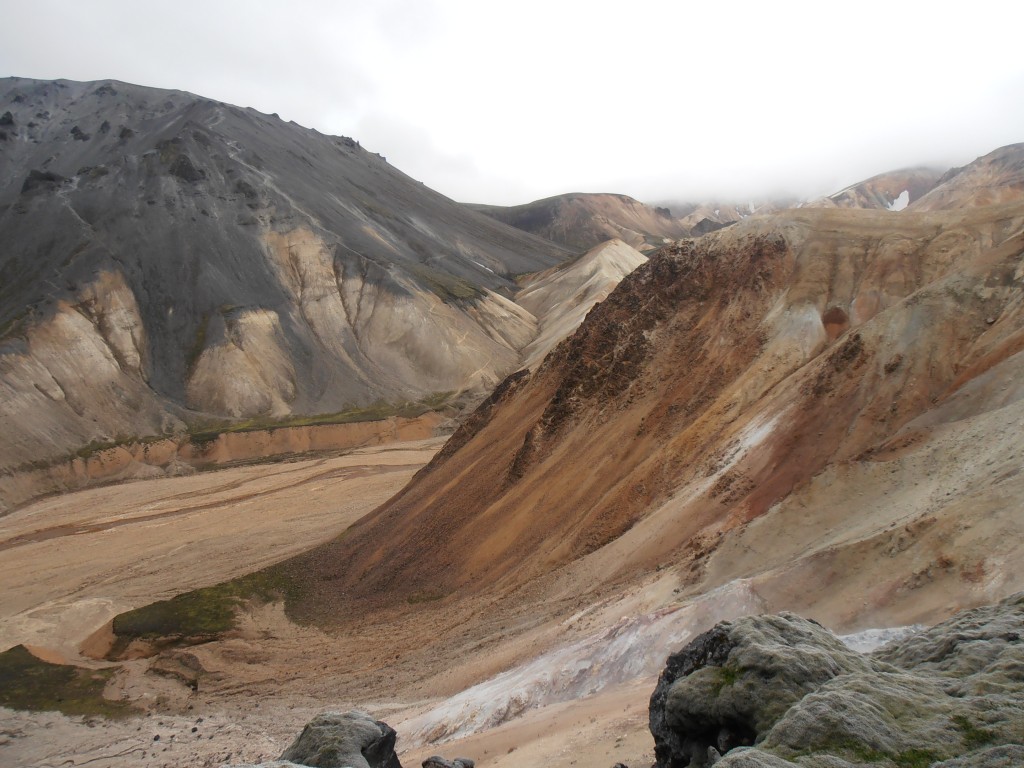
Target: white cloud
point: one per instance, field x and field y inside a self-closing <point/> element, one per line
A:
<point x="506" y="103"/>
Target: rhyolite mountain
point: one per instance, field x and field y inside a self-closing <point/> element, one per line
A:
<point x="894" y="190"/>
<point x="826" y="402"/>
<point x="994" y="178"/>
<point x="579" y="221"/>
<point x="166" y="258"/>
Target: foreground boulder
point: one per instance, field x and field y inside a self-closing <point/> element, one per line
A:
<point x="436" y="761"/>
<point x="730" y="685"/>
<point x="762" y="691"/>
<point x="336" y="740"/>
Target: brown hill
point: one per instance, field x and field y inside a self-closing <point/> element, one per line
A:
<point x="824" y="401"/>
<point x="893" y="191"/>
<point x="997" y="177"/>
<point x="579" y="221"/>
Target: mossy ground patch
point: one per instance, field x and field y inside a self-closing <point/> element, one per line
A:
<point x="29" y="683"/>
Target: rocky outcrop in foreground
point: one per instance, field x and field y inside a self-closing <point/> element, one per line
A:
<point x="774" y="691"/>
<point x="333" y="740"/>
<point x="349" y="740"/>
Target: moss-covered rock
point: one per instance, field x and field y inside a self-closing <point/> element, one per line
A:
<point x="772" y="691"/>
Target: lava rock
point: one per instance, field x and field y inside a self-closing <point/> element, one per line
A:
<point x="334" y="740"/>
<point x="7" y="118"/>
<point x="765" y="691"/>
<point x="436" y="761"/>
<point x="730" y="685"/>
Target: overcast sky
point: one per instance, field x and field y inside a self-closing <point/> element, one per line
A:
<point x="509" y="102"/>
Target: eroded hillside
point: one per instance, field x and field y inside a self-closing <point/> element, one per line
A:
<point x="165" y="256"/>
<point x="824" y="401"/>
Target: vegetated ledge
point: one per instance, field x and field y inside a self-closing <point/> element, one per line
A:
<point x="199" y="616"/>
<point x="213" y="445"/>
<point x="206" y="614"/>
<point x="29" y="683"/>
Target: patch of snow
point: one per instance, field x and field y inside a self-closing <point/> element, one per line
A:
<point x="900" y="202"/>
<point x="483" y="266"/>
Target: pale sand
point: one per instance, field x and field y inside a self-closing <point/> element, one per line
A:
<point x="71" y="563"/>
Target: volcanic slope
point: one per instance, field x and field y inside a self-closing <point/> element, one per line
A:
<point x="167" y="257"/>
<point x="893" y="191"/>
<point x="561" y="297"/>
<point x="825" y="402"/>
<point x="997" y="177"/>
<point x="579" y="221"/>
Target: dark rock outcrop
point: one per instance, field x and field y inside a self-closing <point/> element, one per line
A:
<point x="436" y="761"/>
<point x="334" y="740"/>
<point x="767" y="690"/>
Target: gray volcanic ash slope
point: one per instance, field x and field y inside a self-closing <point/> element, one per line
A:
<point x="163" y="252"/>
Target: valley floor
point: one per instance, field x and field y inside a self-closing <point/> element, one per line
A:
<point x="70" y="563"/>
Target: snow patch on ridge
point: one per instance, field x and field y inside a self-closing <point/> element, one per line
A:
<point x="901" y="202"/>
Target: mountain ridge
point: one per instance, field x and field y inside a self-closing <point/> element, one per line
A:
<point x="204" y="260"/>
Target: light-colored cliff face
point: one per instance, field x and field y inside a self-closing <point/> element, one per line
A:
<point x="892" y="191"/>
<point x="182" y="455"/>
<point x="562" y="297"/>
<point x="77" y="373"/>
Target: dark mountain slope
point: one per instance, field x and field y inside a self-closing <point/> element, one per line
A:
<point x="163" y="252"/>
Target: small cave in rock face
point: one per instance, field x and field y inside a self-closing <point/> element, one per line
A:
<point x="836" y="321"/>
<point x="722" y="737"/>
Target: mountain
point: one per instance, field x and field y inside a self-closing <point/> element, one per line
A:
<point x="579" y="221"/>
<point x="169" y="259"/>
<point x="892" y="191"/>
<point x="824" y="403"/>
<point x="995" y="178"/>
<point x="562" y="296"/>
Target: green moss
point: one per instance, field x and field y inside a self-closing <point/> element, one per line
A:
<point x="203" y="614"/>
<point x="201" y="435"/>
<point x="973" y="736"/>
<point x="725" y="676"/>
<point x="28" y="683"/>
<point x="862" y="753"/>
<point x="98" y="446"/>
<point x="915" y="758"/>
<point x="16" y="327"/>
<point x="426" y="596"/>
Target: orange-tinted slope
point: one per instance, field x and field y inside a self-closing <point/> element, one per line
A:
<point x="717" y="378"/>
